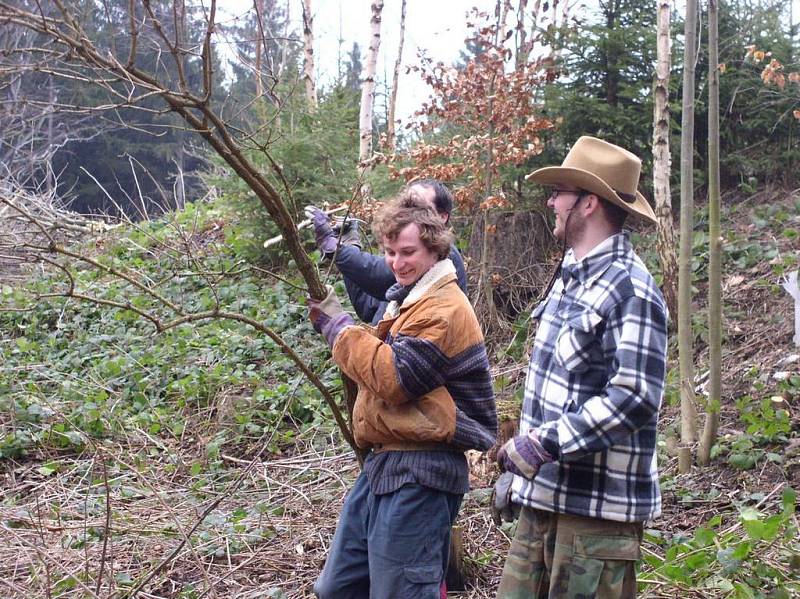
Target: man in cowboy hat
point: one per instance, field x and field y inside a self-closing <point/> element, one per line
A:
<point x="584" y="463"/>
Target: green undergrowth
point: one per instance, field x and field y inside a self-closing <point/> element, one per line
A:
<point x="744" y="251"/>
<point x="74" y="374"/>
<point x="752" y="553"/>
<point x="72" y="371"/>
<point x="745" y="548"/>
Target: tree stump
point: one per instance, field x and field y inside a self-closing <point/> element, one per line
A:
<point x="522" y="248"/>
<point x="456" y="577"/>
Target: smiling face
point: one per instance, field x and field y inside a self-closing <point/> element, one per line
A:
<point x="407" y="256"/>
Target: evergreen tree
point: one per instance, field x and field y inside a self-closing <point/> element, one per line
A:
<point x="137" y="157"/>
<point x="606" y="77"/>
<point x="353" y="68"/>
<point x="471" y="51"/>
<point x="757" y="131"/>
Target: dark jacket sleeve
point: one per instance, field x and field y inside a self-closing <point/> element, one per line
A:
<point x="461" y="273"/>
<point x="369" y="309"/>
<point x="367" y="271"/>
<point x="367" y="277"/>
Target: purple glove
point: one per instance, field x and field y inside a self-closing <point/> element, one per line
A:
<point x="323" y="233"/>
<point x="327" y="316"/>
<point x="523" y="455"/>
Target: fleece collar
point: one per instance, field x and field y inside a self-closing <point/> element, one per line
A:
<point x="403" y="296"/>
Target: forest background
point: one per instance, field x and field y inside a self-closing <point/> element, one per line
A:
<point x="170" y="425"/>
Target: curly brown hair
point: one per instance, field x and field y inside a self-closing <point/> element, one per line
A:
<point x="407" y="208"/>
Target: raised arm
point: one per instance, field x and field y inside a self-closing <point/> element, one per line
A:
<point x="366" y="271"/>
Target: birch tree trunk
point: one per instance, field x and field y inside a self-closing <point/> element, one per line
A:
<point x="685" y="349"/>
<point x="667" y="239"/>
<point x="259" y="6"/>
<point x="714" y="246"/>
<point x="368" y="86"/>
<point x="390" y="125"/>
<point x="521" y="57"/>
<point x="308" y="51"/>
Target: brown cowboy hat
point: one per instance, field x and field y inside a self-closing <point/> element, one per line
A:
<point x="601" y="168"/>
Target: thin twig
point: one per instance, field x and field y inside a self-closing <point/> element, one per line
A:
<point x="107" y="532"/>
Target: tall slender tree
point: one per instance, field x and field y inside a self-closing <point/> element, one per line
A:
<point x="667" y="239"/>
<point x="714" y="246"/>
<point x="685" y="345"/>
<point x="368" y="84"/>
<point x="390" y="125"/>
<point x="309" y="76"/>
<point x="484" y="278"/>
<point x="521" y="33"/>
<point x="259" y="8"/>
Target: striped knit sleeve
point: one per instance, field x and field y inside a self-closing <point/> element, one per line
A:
<point x="399" y="370"/>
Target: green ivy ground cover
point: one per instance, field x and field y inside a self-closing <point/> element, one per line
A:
<point x="71" y="370"/>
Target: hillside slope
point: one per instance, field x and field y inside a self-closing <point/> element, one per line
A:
<point x="196" y="462"/>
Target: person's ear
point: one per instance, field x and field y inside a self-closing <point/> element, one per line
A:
<point x="591" y="204"/>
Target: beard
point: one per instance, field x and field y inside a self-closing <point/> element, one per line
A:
<point x="573" y="227"/>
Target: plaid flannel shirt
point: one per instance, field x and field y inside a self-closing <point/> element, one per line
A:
<point x="594" y="387"/>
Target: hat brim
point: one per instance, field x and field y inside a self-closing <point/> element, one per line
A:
<point x="552" y="175"/>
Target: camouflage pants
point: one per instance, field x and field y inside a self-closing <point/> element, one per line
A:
<point x="560" y="556"/>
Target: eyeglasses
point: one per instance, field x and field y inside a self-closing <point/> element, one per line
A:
<point x="555" y="192"/>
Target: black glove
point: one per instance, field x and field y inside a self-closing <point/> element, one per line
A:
<point x="503" y="510"/>
<point x="347" y="232"/>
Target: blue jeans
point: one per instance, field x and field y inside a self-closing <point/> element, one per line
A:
<point x="392" y="546"/>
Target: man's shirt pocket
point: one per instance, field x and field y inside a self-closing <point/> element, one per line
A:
<point x="578" y="344"/>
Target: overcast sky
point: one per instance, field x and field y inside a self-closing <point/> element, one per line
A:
<point x="437" y="26"/>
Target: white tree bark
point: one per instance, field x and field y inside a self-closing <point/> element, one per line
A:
<point x="667" y="239"/>
<point x="368" y="86"/>
<point x="259" y="7"/>
<point x="390" y="126"/>
<point x="308" y="48"/>
<point x="521" y="35"/>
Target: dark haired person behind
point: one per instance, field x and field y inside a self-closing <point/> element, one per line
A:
<point x="366" y="276"/>
<point x="424" y="397"/>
